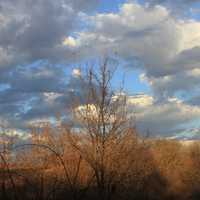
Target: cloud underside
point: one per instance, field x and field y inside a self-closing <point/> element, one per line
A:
<point x="39" y="39"/>
<point x="169" y="119"/>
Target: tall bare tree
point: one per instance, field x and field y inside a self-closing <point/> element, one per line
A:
<point x="106" y="133"/>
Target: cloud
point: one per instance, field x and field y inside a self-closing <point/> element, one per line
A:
<point x="69" y="41"/>
<point x="176" y="6"/>
<point x="136" y="32"/>
<point x="76" y="73"/>
<point x="172" y="2"/>
<point x="33" y="30"/>
<point x="170" y="119"/>
<point x="153" y="40"/>
<point x="39" y="38"/>
<point x="165" y="47"/>
<point x="33" y="38"/>
<point x="39" y="93"/>
<point x="31" y="96"/>
<point x="162" y="119"/>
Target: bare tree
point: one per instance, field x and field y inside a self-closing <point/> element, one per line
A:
<point x="106" y="133"/>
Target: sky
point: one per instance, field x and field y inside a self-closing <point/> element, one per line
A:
<point x="157" y="43"/>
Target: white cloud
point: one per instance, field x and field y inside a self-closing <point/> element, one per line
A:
<point x="50" y="97"/>
<point x="191" y="34"/>
<point x="162" y="119"/>
<point x="166" y="119"/>
<point x="140" y="101"/>
<point x="70" y="41"/>
<point x="166" y="46"/>
<point x="76" y="73"/>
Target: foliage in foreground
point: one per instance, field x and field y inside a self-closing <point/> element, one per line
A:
<point x="52" y="168"/>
